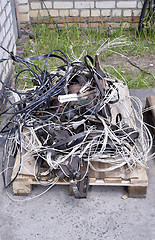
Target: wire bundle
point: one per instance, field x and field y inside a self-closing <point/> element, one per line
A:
<point x="74" y="116"/>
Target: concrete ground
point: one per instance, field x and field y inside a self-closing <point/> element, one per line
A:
<point x="58" y="216"/>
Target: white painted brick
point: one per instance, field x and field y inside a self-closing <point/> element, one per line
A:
<point x="44" y="13"/>
<point x="2" y="31"/>
<point x="82" y="4"/>
<point x="1" y="76"/>
<point x="23" y="8"/>
<point x="74" y="13"/>
<point x="24" y="17"/>
<point x="140" y="4"/>
<point x="136" y="12"/>
<point x="2" y="72"/>
<point x="1" y="67"/>
<point x="1" y="39"/>
<point x="7" y="25"/>
<point x="10" y="66"/>
<point x="127" y="13"/>
<point x="116" y="13"/>
<point x="34" y="13"/>
<point x="1" y="85"/>
<point x="3" y="2"/>
<point x="9" y="37"/>
<point x="9" y="17"/>
<point x="12" y="46"/>
<point x="2" y="35"/>
<point x="63" y="5"/>
<point x="47" y="4"/>
<point x="106" y="13"/>
<point x="5" y="54"/>
<point x="3" y="18"/>
<point x="5" y="66"/>
<point x="1" y="52"/>
<point x="54" y="13"/>
<point x="11" y="30"/>
<point x="95" y="13"/>
<point x="10" y="34"/>
<point x="0" y="6"/>
<point x="6" y="69"/>
<point x="36" y="5"/>
<point x="105" y="4"/>
<point x="64" y="13"/>
<point x="8" y="9"/>
<point x="9" y="62"/>
<point x="22" y="1"/>
<point x="6" y="41"/>
<point x="85" y="13"/>
<point x="126" y="4"/>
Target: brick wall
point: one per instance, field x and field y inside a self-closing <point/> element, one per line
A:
<point x="7" y="39"/>
<point x="86" y="12"/>
<point x="24" y="10"/>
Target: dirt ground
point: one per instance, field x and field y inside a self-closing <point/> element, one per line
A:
<point x="145" y="62"/>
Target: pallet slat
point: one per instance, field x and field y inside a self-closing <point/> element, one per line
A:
<point x="135" y="180"/>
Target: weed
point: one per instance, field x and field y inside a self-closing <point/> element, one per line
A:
<point x="1" y="118"/>
<point x="73" y="41"/>
<point x="134" y="79"/>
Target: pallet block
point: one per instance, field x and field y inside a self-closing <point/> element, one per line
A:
<point x="136" y="180"/>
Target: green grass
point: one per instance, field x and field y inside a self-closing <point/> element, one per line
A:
<point x="73" y="41"/>
<point x="1" y="118"/>
<point x="134" y="79"/>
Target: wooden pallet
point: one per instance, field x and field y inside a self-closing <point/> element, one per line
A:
<point x="150" y="102"/>
<point x="136" y="180"/>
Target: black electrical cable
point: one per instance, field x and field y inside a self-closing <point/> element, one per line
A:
<point x="36" y="94"/>
<point x="12" y="131"/>
<point x="28" y="109"/>
<point x="33" y="100"/>
<point x="142" y="15"/>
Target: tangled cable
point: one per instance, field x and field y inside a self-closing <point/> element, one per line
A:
<point x="75" y="116"/>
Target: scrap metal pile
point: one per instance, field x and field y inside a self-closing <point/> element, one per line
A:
<point x="75" y="116"/>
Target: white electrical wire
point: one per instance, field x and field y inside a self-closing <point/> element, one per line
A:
<point x="137" y="156"/>
<point x="92" y="148"/>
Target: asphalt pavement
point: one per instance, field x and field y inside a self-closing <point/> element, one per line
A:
<point x="56" y="215"/>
